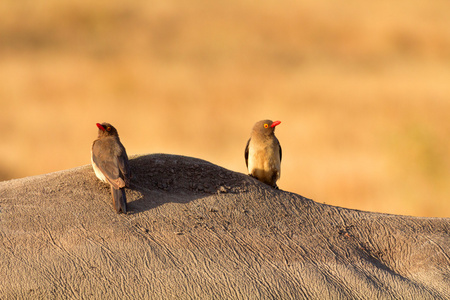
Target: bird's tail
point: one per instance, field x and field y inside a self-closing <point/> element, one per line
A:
<point x="119" y="200"/>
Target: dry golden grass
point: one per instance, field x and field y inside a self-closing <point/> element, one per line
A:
<point x="362" y="90"/>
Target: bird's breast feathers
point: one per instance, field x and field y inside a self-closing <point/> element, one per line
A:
<point x="263" y="157"/>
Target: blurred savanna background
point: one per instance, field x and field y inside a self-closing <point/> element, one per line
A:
<point x="362" y="90"/>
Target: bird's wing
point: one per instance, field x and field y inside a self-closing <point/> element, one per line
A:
<point x="104" y="155"/>
<point x="124" y="165"/>
<point x="277" y="143"/>
<point x="280" y="151"/>
<point x="246" y="153"/>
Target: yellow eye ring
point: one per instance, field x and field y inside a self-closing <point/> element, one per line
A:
<point x="108" y="128"/>
<point x="266" y="125"/>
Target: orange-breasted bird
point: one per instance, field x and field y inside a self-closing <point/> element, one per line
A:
<point x="263" y="153"/>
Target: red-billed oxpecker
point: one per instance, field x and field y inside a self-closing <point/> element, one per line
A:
<point x="110" y="163"/>
<point x="263" y="153"/>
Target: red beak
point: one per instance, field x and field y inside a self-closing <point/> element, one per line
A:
<point x="100" y="126"/>
<point x="275" y="123"/>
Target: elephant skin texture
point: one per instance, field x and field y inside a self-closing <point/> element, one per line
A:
<point x="195" y="230"/>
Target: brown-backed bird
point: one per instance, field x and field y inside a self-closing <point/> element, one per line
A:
<point x="263" y="153"/>
<point x="110" y="163"/>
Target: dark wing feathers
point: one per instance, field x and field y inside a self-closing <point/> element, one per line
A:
<point x="246" y="153"/>
<point x="110" y="157"/>
<point x="280" y="151"/>
<point x="123" y="165"/>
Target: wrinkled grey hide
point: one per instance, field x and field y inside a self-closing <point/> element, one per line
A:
<point x="199" y="231"/>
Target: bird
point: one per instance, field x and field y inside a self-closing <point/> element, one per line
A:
<point x="110" y="163"/>
<point x="263" y="153"/>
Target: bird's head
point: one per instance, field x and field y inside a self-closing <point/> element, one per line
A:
<point x="266" y="127"/>
<point x="106" y="129"/>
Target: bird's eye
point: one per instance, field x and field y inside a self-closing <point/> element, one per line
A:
<point x="266" y="125"/>
<point x="108" y="128"/>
